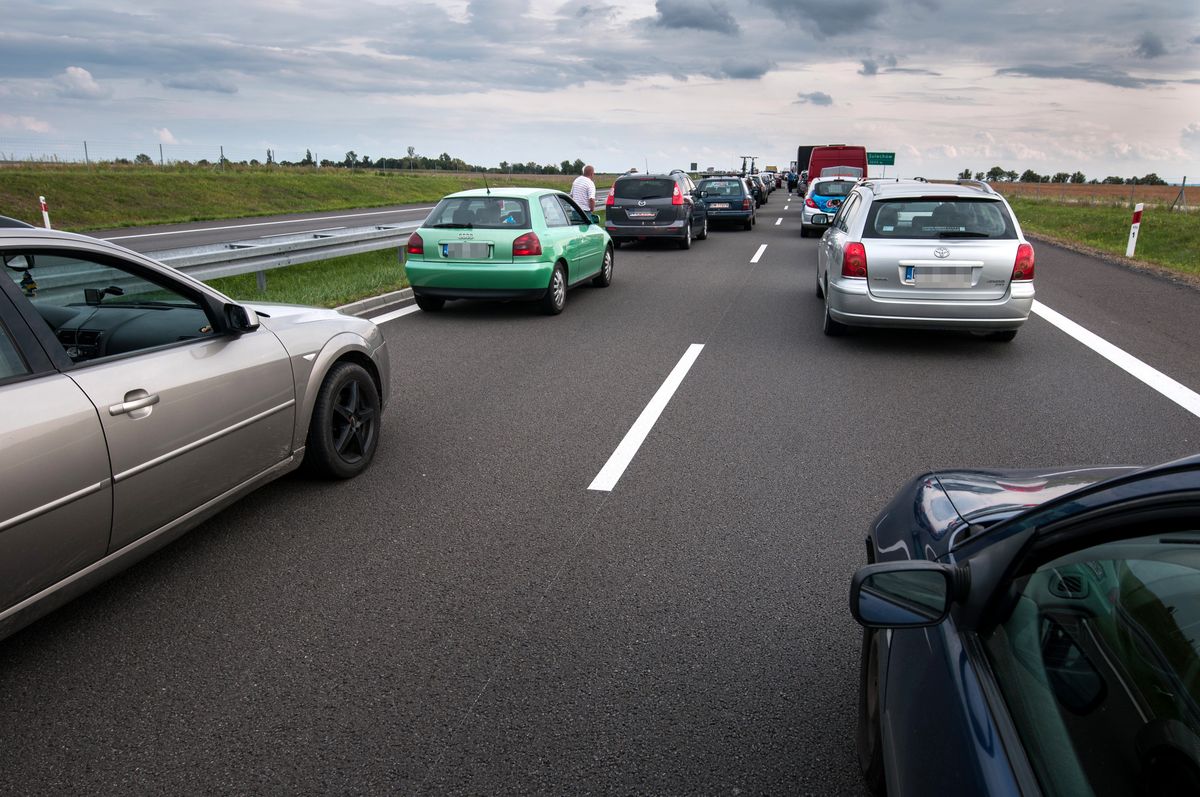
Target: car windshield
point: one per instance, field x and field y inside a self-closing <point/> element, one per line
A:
<point x="933" y="217"/>
<point x="833" y="188"/>
<point x="721" y="187"/>
<point x="643" y="188"/>
<point x="480" y="213"/>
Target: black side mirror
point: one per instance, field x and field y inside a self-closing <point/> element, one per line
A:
<point x="595" y="217"/>
<point x="240" y="318"/>
<point x="904" y="594"/>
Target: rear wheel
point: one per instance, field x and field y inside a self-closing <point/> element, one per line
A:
<point x="870" y="748"/>
<point x="604" y="278"/>
<point x="703" y="229"/>
<point x="820" y="292"/>
<point x="833" y="328"/>
<point x="1003" y="336"/>
<point x="556" y="294"/>
<point x="344" y="431"/>
<point x="748" y="223"/>
<point x="617" y="243"/>
<point x="686" y="241"/>
<point x="430" y="304"/>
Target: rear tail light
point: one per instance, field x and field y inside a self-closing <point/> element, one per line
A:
<point x="745" y="204"/>
<point x="808" y="203"/>
<point x="527" y="245"/>
<point x="612" y="199"/>
<point x="1023" y="267"/>
<point x="854" y="261"/>
<point x="416" y="246"/>
<point x="676" y="196"/>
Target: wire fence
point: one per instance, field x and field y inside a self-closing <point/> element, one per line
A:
<point x="1179" y="195"/>
<point x="34" y="150"/>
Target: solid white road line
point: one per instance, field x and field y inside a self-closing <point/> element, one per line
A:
<point x="403" y="311"/>
<point x="779" y="221"/>
<point x="1183" y="396"/>
<point x="262" y="224"/>
<point x="611" y="473"/>
<point x="759" y="253"/>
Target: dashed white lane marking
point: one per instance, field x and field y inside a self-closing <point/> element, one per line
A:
<point x="403" y="311"/>
<point x="785" y="207"/>
<point x="611" y="473"/>
<point x="263" y="224"/>
<point x="759" y="253"/>
<point x="779" y="221"/>
<point x="1181" y="395"/>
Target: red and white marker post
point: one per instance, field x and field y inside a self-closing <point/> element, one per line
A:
<point x="1133" y="230"/>
<point x="45" y="212"/>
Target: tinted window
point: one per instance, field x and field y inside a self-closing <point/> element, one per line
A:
<point x="494" y="213"/>
<point x="732" y="188"/>
<point x="841" y="221"/>
<point x="932" y="218"/>
<point x="553" y="211"/>
<point x="574" y="215"/>
<point x="833" y="188"/>
<point x="1099" y="664"/>
<point x="11" y="363"/>
<point x="643" y="188"/>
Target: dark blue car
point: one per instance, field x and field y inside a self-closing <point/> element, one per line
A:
<point x="1033" y="632"/>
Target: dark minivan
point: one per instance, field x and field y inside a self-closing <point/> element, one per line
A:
<point x="642" y="206"/>
<point x="728" y="198"/>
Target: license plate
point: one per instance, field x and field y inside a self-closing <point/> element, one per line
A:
<point x="642" y="214"/>
<point x="820" y="218"/>
<point x="719" y="206"/>
<point x="466" y="251"/>
<point x="938" y="276"/>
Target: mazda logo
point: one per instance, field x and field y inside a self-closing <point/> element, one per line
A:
<point x="941" y="251"/>
<point x="641" y="203"/>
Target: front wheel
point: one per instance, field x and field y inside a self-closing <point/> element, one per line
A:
<point x="604" y="278"/>
<point x="869" y="743"/>
<point x="344" y="431"/>
<point x="556" y="294"/>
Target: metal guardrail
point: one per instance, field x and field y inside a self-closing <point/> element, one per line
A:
<point x="261" y="255"/>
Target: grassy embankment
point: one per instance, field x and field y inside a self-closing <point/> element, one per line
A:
<point x="81" y="199"/>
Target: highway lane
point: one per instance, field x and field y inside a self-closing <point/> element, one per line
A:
<point x="468" y="617"/>
<point x="162" y="237"/>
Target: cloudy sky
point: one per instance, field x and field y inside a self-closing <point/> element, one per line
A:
<point x="1103" y="86"/>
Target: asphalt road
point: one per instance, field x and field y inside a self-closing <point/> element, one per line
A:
<point x="468" y="618"/>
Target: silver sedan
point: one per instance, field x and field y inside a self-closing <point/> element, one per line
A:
<point x="924" y="255"/>
<point x="137" y="402"/>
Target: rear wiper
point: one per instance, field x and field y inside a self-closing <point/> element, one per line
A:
<point x="945" y="234"/>
<point x="452" y="226"/>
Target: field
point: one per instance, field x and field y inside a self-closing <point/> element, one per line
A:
<point x="83" y="199"/>
<point x="1115" y="195"/>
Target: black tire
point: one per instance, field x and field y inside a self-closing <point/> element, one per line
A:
<point x="604" y="278"/>
<point x="1003" y="336"/>
<point x="832" y="327"/>
<point x="703" y="230"/>
<point x="820" y="291"/>
<point x="430" y="304"/>
<point x="686" y="241"/>
<point x="748" y="223"/>
<point x="344" y="430"/>
<point x="803" y="231"/>
<point x="556" y="292"/>
<point x="617" y="243"/>
<point x="868" y="738"/>
<point x="753" y="219"/>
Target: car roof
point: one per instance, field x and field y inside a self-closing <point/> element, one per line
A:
<point x="28" y="232"/>
<point x="6" y="221"/>
<point x="506" y="192"/>
<point x="914" y="188"/>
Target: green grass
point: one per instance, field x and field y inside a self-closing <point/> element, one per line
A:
<point x="82" y="199"/>
<point x="1167" y="239"/>
<point x="325" y="283"/>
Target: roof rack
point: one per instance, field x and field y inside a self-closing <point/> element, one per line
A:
<point x="978" y="184"/>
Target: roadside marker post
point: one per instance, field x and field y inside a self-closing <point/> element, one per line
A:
<point x="45" y="212"/>
<point x="1133" y="229"/>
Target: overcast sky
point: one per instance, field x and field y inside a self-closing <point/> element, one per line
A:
<point x="1103" y="86"/>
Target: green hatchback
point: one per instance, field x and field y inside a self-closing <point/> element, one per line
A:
<point x="511" y="243"/>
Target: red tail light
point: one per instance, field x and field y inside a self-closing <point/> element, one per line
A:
<point x="1023" y="267"/>
<point x="745" y="204"/>
<point x="612" y="199"/>
<point x="527" y="245"/>
<point x="854" y="261"/>
<point x="676" y="196"/>
<point x="808" y="203"/>
<point x="416" y="246"/>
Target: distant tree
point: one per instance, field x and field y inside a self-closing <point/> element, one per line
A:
<point x="308" y="158"/>
<point x="1030" y="176"/>
<point x="1078" y="177"/>
<point x="965" y="174"/>
<point x="203" y="162"/>
<point x="327" y="164"/>
<point x="350" y="159"/>
<point x="1011" y="176"/>
<point x="550" y="168"/>
<point x="1093" y="181"/>
<point x="1060" y="177"/>
<point x="412" y="151"/>
<point x="254" y="162"/>
<point x="122" y="161"/>
<point x="577" y="167"/>
<point x="143" y="160"/>
<point x="980" y="175"/>
<point x="1131" y="181"/>
<point x="504" y="166"/>
<point x="1112" y="180"/>
<point x="565" y="167"/>
<point x="996" y="173"/>
<point x="1152" y="179"/>
<point x="270" y="156"/>
<point x="365" y="160"/>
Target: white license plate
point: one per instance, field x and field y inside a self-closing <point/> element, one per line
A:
<point x="719" y="206"/>
<point x="466" y="251"/>
<point x="642" y="214"/>
<point x="938" y="276"/>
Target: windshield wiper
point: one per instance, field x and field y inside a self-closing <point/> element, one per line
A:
<point x="945" y="234"/>
<point x="452" y="226"/>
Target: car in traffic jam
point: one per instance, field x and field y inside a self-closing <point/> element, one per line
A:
<point x="641" y="207"/>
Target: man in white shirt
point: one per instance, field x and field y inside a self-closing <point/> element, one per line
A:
<point x="583" y="190"/>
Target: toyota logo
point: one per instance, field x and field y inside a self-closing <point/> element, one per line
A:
<point x="941" y="251"/>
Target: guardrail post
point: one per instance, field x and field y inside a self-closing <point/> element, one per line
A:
<point x="261" y="276"/>
<point x="1133" y="230"/>
<point x="45" y="212"/>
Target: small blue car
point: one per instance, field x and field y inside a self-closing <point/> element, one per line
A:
<point x="1033" y="632"/>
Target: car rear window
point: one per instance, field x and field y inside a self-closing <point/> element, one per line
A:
<point x="643" y="188"/>
<point x="932" y="217"/>
<point x="833" y="188"/>
<point x="480" y="213"/>
<point x="721" y="187"/>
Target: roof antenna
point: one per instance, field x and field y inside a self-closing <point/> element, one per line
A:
<point x="485" y="185"/>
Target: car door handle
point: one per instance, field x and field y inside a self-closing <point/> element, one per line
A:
<point x="131" y="405"/>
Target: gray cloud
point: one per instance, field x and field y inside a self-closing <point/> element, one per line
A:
<point x="708" y="15"/>
<point x="745" y="69"/>
<point x="1089" y="72"/>
<point x="831" y="19"/>
<point x="1150" y="45"/>
<point x="813" y="98"/>
<point x="869" y="68"/>
<point x="911" y="70"/>
<point x="202" y="81"/>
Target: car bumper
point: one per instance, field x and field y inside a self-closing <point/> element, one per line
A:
<point x="731" y="214"/>
<point x="851" y="303"/>
<point x="449" y="280"/>
<point x="628" y="232"/>
<point x="809" y="216"/>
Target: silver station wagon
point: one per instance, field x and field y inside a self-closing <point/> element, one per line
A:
<point x="925" y="255"/>
<point x="136" y="402"/>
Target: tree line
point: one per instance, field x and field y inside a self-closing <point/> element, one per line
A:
<point x="997" y="174"/>
<point x="409" y="162"/>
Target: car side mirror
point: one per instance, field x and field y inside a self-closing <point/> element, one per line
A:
<point x="595" y="217"/>
<point x="904" y="594"/>
<point x="240" y="318"/>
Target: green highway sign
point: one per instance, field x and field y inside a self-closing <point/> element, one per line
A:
<point x="881" y="159"/>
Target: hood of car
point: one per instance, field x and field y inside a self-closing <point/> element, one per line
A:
<point x="989" y="496"/>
